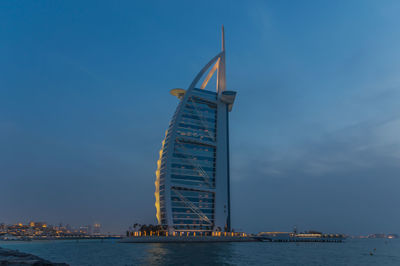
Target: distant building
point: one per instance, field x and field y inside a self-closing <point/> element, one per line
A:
<point x="3" y="227"/>
<point x="392" y="236"/>
<point x="192" y="177"/>
<point x="96" y="229"/>
<point x="377" y="236"/>
<point x="86" y="230"/>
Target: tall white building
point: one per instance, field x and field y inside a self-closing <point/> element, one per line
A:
<point x="192" y="177"/>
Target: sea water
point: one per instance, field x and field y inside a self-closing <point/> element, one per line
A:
<point x="110" y="252"/>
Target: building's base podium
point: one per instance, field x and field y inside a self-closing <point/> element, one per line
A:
<point x="185" y="239"/>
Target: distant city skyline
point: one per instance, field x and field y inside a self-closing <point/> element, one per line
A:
<point x="42" y="230"/>
<point x="315" y="133"/>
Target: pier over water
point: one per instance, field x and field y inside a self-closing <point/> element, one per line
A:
<point x="301" y="237"/>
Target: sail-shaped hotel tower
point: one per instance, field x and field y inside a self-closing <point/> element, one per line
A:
<point x="192" y="177"/>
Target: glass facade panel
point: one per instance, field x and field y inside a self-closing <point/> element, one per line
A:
<point x="191" y="163"/>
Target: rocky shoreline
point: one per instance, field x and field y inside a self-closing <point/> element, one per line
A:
<point x="15" y="257"/>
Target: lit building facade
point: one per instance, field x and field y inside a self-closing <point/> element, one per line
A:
<point x="192" y="177"/>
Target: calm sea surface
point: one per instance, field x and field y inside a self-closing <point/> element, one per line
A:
<point x="109" y="252"/>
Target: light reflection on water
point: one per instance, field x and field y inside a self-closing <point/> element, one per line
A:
<point x="109" y="252"/>
<point x="186" y="254"/>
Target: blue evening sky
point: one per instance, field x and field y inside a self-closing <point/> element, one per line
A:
<point x="315" y="130"/>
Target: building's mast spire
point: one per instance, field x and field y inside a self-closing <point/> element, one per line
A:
<point x="221" y="82"/>
<point x="223" y="38"/>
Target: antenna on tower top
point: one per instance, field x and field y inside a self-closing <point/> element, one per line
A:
<point x="223" y="38"/>
<point x="221" y="82"/>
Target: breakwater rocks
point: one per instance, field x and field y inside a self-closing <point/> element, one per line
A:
<point x="15" y="257"/>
